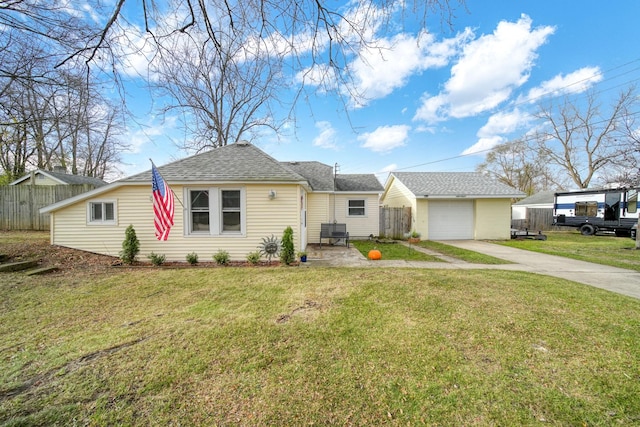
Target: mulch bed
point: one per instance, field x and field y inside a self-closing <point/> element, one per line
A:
<point x="71" y="260"/>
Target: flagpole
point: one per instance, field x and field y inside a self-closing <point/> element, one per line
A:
<point x="174" y="193"/>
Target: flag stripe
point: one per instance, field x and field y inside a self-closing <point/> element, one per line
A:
<point x="163" y="205"/>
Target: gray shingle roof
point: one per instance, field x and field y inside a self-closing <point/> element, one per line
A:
<point x="358" y="182"/>
<point x="320" y="177"/>
<point x="454" y="184"/>
<point x="538" y="198"/>
<point x="77" y="179"/>
<point x="65" y="178"/>
<point x="241" y="161"/>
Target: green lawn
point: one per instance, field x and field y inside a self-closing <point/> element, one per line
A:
<point x="393" y="251"/>
<point x="602" y="249"/>
<point x="310" y="346"/>
<point x="397" y="251"/>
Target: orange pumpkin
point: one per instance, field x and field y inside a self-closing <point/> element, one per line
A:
<point x="375" y="254"/>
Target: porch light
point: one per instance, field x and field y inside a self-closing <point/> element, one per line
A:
<point x="272" y="194"/>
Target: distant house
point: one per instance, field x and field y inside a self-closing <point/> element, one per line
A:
<point x="57" y="177"/>
<point x="452" y="205"/>
<point x="541" y="200"/>
<point x="231" y="198"/>
<point x="534" y="212"/>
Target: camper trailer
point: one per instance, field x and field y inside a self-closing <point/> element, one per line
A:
<point x="597" y="210"/>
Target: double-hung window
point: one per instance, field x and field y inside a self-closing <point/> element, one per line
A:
<point x="200" y="212"/>
<point x="357" y="207"/>
<point x="101" y="212"/>
<point x="215" y="211"/>
<point x="231" y="211"/>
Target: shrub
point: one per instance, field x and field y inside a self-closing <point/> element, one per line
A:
<point x="254" y="257"/>
<point x="221" y="258"/>
<point x="192" y="258"/>
<point x="287" y="254"/>
<point x="130" y="246"/>
<point x="157" y="259"/>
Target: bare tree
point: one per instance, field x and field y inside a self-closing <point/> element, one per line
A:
<point x="14" y="152"/>
<point x="234" y="53"/>
<point x="226" y="90"/>
<point x="516" y="165"/>
<point x="585" y="141"/>
<point x="58" y="121"/>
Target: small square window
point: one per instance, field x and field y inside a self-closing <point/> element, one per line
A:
<point x="102" y="212"/>
<point x="357" y="207"/>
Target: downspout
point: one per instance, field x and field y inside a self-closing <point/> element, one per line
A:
<point x="335" y="175"/>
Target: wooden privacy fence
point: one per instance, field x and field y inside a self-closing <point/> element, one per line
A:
<point x="538" y="219"/>
<point x="20" y="204"/>
<point x="395" y="222"/>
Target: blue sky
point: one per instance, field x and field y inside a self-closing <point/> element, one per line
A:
<point x="439" y="97"/>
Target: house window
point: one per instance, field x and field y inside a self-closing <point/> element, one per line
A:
<point x="101" y="212"/>
<point x="357" y="207"/>
<point x="200" y="212"/>
<point x="215" y="211"/>
<point x="231" y="213"/>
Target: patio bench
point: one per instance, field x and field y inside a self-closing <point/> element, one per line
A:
<point x="334" y="231"/>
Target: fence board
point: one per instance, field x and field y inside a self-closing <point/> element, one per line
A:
<point x="395" y="222"/>
<point x="20" y="204"/>
<point x="538" y="219"/>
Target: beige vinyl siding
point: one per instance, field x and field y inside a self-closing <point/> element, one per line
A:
<point x="40" y="180"/>
<point x="264" y="217"/>
<point x="359" y="226"/>
<point x="420" y="216"/>
<point x="492" y="219"/>
<point x="318" y="211"/>
<point x="398" y="196"/>
<point x="70" y="227"/>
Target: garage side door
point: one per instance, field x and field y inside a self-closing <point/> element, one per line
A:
<point x="450" y="219"/>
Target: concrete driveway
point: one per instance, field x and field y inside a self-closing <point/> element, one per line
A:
<point x="625" y="282"/>
<point x="620" y="280"/>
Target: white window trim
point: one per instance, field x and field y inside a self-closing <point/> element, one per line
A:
<point x="366" y="210"/>
<point x="187" y="211"/>
<point x="103" y="202"/>
<point x="215" y="212"/>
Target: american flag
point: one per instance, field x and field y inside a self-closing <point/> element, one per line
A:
<point x="163" y="208"/>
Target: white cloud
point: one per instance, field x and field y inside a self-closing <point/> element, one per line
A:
<point x="389" y="168"/>
<point x="504" y="123"/>
<point x="495" y="130"/>
<point x="148" y="133"/>
<point x="488" y="71"/>
<point x="383" y="174"/>
<point x="483" y="145"/>
<point x="379" y="70"/>
<point x="576" y="82"/>
<point x="327" y="136"/>
<point x="385" y="138"/>
<point x="425" y="129"/>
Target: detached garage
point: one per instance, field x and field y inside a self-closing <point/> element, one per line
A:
<point x="453" y="205"/>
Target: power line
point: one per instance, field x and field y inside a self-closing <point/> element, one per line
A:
<point x="555" y="93"/>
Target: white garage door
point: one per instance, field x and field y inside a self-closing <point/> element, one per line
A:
<point x="450" y="219"/>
